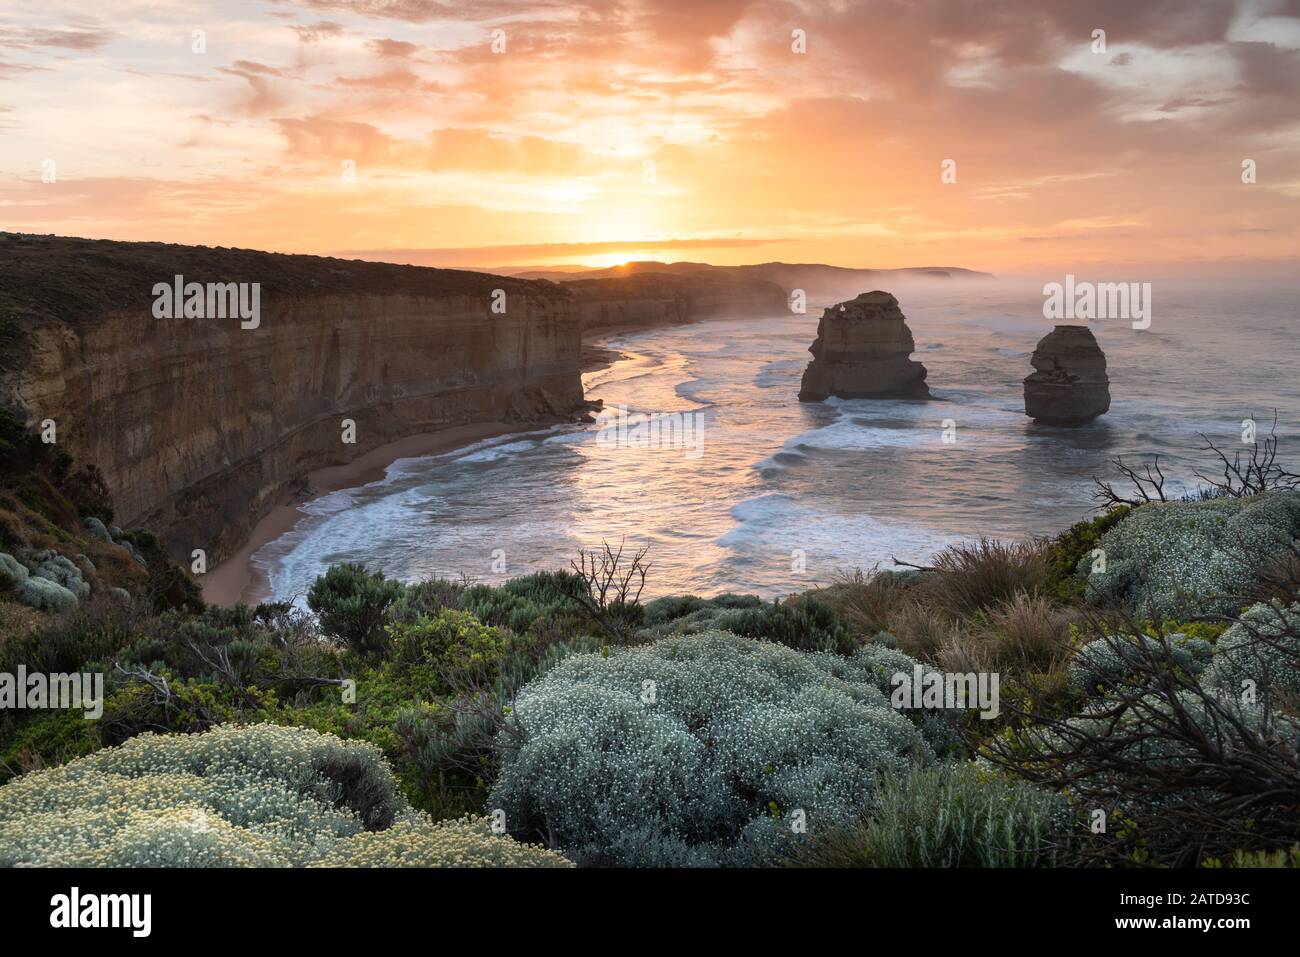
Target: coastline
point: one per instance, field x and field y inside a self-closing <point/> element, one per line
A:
<point x="238" y="579"/>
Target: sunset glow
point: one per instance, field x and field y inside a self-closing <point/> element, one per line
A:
<point x="705" y="137"/>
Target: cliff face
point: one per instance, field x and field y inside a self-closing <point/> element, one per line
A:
<point x="863" y="350"/>
<point x="199" y="425"/>
<point x="653" y="299"/>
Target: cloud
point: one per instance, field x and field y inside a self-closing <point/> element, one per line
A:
<point x="63" y="39"/>
<point x="385" y="47"/>
<point x="316" y="32"/>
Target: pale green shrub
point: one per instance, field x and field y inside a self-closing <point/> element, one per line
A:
<point x="1263" y="647"/>
<point x="45" y="595"/>
<point x="465" y="842"/>
<point x="1105" y="663"/>
<point x="1211" y="551"/>
<point x="11" y="569"/>
<point x="739" y="738"/>
<point x="262" y="795"/>
<point x="52" y="566"/>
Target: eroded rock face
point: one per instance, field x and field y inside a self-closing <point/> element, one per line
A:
<point x="1069" y="384"/>
<point x="863" y="351"/>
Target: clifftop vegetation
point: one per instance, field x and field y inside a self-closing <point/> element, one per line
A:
<point x="1146" y="710"/>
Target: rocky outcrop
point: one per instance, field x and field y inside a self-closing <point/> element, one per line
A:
<point x="1069" y="384"/>
<point x="863" y="350"/>
<point x="645" y="299"/>
<point x="200" y="426"/>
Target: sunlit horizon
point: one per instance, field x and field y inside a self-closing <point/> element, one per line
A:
<point x="521" y="134"/>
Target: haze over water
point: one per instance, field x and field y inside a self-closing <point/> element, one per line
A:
<point x="847" y="483"/>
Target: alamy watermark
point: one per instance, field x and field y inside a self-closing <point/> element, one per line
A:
<point x="933" y="689"/>
<point x="39" y="691"/>
<point x="662" y="430"/>
<point x="214" y="300"/>
<point x="1098" y="300"/>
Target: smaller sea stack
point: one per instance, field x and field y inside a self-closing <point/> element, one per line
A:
<point x="1069" y="385"/>
<point x="862" y="351"/>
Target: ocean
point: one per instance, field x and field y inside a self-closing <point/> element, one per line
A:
<point x="782" y="495"/>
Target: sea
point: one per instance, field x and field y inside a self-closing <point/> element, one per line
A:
<point x="767" y="495"/>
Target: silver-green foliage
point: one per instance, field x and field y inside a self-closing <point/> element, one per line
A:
<point x="1208" y="551"/>
<point x="1262" y="647"/>
<point x="262" y="795"/>
<point x="45" y="595"/>
<point x="700" y="750"/>
<point x="1111" y="661"/>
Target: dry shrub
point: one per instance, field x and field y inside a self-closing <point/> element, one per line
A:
<point x="922" y="631"/>
<point x="1279" y="579"/>
<point x="868" y="601"/>
<point x="973" y="576"/>
<point x="1023" y="636"/>
<point x="1030" y="631"/>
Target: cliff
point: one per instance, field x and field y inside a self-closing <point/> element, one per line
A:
<point x="863" y="351"/>
<point x="200" y="425"/>
<point x="651" y="299"/>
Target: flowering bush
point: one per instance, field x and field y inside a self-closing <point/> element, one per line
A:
<point x="1263" y="647"/>
<point x="1211" y="550"/>
<point x="255" y="796"/>
<point x="701" y="750"/>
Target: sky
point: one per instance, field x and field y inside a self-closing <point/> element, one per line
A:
<point x="1005" y="136"/>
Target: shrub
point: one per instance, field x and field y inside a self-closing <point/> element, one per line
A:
<point x="452" y="639"/>
<point x="969" y="577"/>
<point x="1066" y="552"/>
<point x="1029" y="631"/>
<point x="1171" y="557"/>
<point x="706" y="765"/>
<point x="868" y="601"/>
<point x="254" y="796"/>
<point x="802" y="622"/>
<point x="954" y="815"/>
<point x="462" y="842"/>
<point x="923" y="631"/>
<point x="45" y="594"/>
<point x="1262" y="646"/>
<point x="57" y="568"/>
<point x="1113" y="660"/>
<point x="352" y="603"/>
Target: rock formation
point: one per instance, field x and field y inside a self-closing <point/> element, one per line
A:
<point x="862" y="351"/>
<point x="1069" y="385"/>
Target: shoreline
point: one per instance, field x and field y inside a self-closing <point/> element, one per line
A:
<point x="238" y="579"/>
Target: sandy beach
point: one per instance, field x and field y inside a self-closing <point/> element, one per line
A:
<point x="238" y="579"/>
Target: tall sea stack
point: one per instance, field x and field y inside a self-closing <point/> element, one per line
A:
<point x="1069" y="385"/>
<point x="863" y="351"/>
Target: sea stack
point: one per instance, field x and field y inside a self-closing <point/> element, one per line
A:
<point x="863" y="351"/>
<point x="1069" y="385"/>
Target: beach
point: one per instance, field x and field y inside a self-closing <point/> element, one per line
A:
<point x="238" y="579"/>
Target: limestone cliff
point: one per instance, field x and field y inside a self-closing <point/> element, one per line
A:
<point x="199" y="425"/>
<point x="863" y="350"/>
<point x="653" y="299"/>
